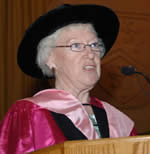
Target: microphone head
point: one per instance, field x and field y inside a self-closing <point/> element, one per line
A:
<point x="128" y="70"/>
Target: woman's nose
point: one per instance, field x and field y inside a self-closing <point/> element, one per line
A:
<point x="89" y="52"/>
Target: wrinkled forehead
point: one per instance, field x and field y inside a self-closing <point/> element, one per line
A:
<point x="76" y="30"/>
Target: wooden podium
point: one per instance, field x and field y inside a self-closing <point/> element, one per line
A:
<point x="127" y="145"/>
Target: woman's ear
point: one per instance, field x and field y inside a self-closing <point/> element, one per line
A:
<point x="51" y="62"/>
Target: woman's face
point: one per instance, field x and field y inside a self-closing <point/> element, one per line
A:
<point x="76" y="69"/>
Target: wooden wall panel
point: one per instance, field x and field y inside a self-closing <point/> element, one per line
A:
<point x="2" y="57"/>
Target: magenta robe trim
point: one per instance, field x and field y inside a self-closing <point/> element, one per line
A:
<point x="29" y="126"/>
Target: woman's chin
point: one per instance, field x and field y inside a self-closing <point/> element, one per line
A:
<point x="91" y="81"/>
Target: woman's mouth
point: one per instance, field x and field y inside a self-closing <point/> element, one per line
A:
<point x="89" y="67"/>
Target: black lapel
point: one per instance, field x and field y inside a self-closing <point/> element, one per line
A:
<point x="73" y="133"/>
<point x="67" y="127"/>
<point x="102" y="121"/>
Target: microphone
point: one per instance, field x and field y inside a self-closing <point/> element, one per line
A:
<point x="128" y="70"/>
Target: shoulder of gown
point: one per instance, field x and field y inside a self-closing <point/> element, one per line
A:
<point x="28" y="127"/>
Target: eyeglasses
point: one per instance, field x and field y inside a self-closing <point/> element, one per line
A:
<point x="77" y="47"/>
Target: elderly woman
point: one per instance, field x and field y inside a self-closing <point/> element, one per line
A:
<point x="66" y="43"/>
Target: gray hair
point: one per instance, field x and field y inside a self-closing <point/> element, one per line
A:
<point x="43" y="51"/>
<point x="44" y="47"/>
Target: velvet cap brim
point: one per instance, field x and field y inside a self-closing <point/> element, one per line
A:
<point x="103" y="19"/>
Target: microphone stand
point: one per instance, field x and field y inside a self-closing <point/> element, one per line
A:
<point x="148" y="80"/>
<point x="130" y="70"/>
